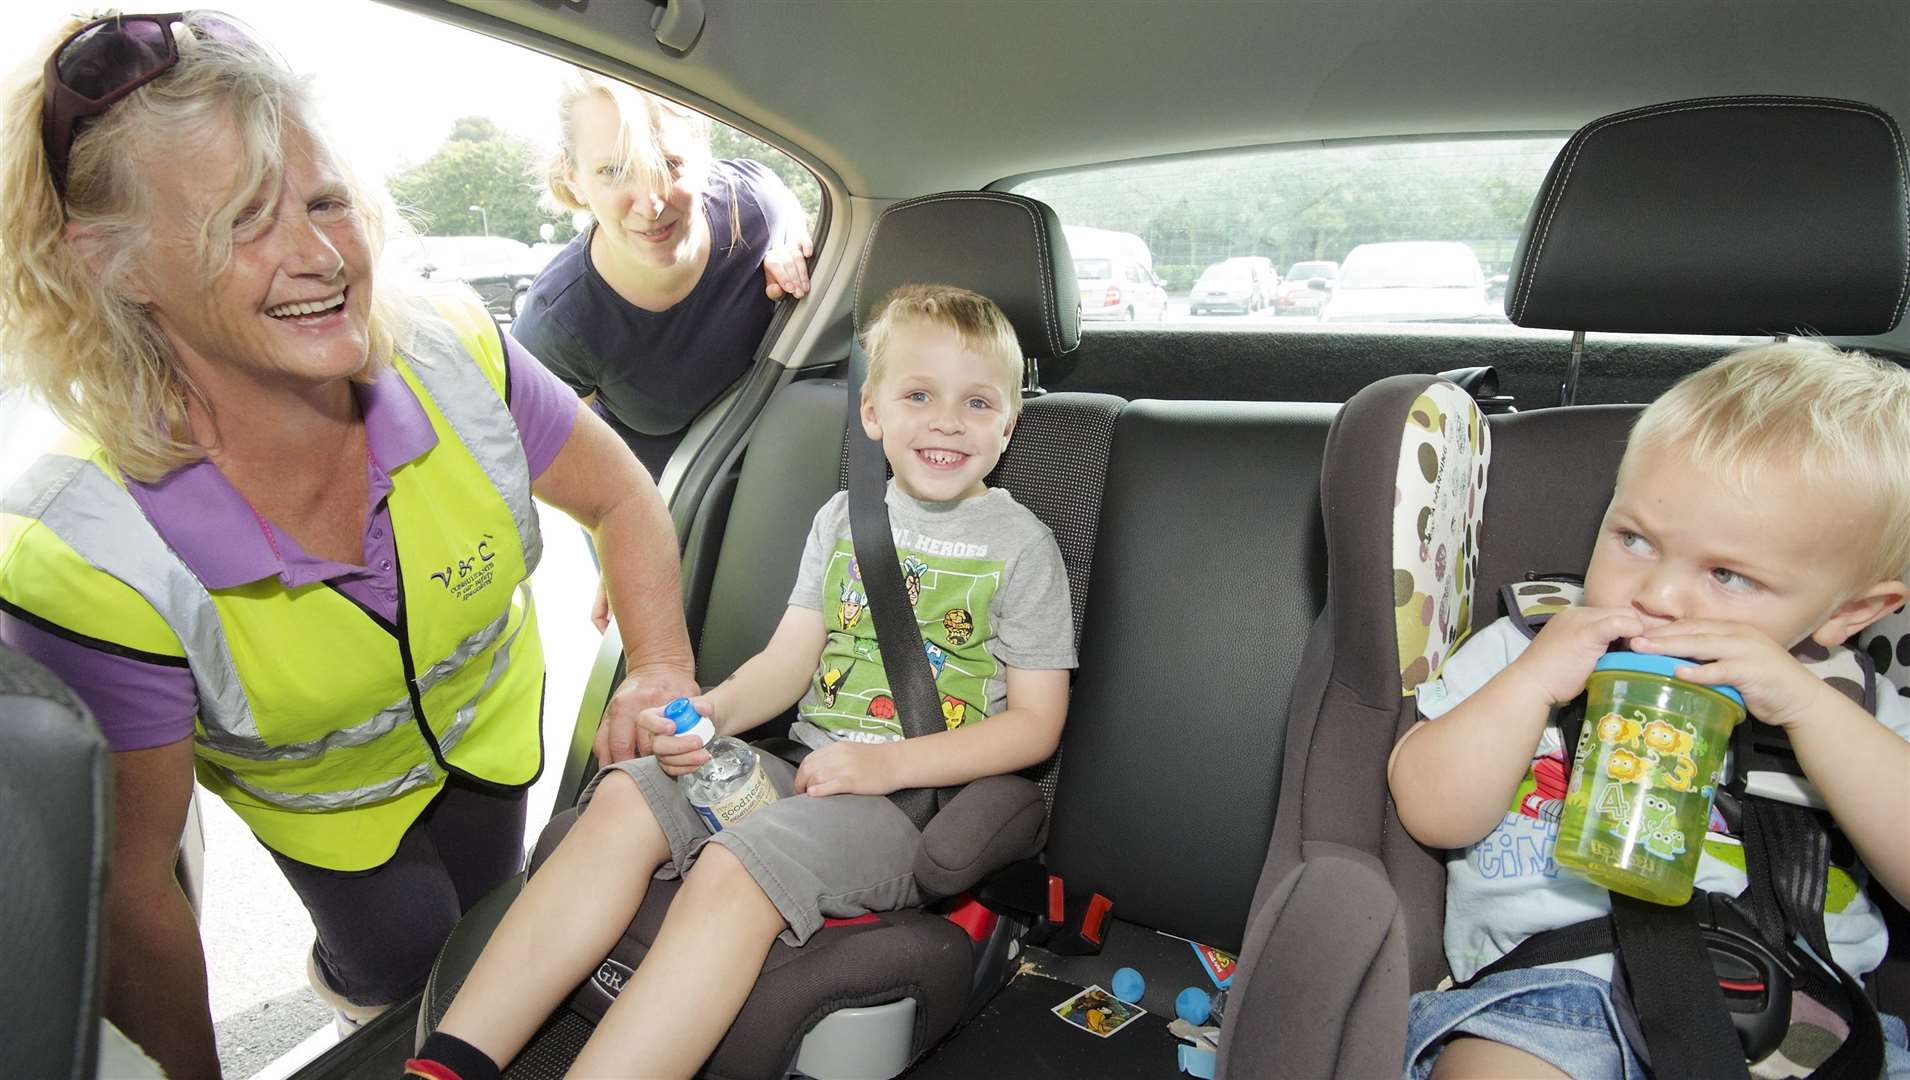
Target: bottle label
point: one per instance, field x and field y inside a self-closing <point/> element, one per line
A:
<point x="755" y="794"/>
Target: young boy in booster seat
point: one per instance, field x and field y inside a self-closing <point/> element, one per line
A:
<point x="1761" y="515"/>
<point x="991" y="595"/>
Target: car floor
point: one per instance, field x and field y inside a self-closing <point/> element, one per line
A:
<point x="1017" y="1033"/>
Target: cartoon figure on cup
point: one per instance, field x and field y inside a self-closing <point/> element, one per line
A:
<point x="284" y="480"/>
<point x="1624" y="766"/>
<point x="1613" y="728"/>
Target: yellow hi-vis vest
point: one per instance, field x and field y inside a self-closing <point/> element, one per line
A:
<point x="326" y="728"/>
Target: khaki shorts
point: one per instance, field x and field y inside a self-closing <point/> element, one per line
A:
<point x="834" y="856"/>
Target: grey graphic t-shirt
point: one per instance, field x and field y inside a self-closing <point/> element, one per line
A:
<point x="989" y="591"/>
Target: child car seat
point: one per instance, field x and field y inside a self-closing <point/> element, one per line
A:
<point x="1743" y="216"/>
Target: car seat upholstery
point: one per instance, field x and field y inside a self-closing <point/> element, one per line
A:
<point x="55" y="796"/>
<point x="1733" y="215"/>
<point x="1012" y="250"/>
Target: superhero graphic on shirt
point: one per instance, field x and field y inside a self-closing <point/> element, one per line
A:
<point x="951" y="598"/>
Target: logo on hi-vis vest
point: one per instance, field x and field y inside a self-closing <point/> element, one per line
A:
<point x="468" y="576"/>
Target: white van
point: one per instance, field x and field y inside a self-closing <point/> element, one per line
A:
<point x="1410" y="281"/>
<point x="1115" y="272"/>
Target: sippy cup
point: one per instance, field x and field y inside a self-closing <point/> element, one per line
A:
<point x="1643" y="775"/>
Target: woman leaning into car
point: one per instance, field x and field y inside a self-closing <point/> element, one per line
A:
<point x="658" y="306"/>
<point x="286" y="547"/>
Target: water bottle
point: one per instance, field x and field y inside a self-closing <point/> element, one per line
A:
<point x="731" y="785"/>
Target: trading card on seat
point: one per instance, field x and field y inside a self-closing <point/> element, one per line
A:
<point x="1098" y="1012"/>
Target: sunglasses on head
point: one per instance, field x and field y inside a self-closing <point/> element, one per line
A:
<point x="105" y="60"/>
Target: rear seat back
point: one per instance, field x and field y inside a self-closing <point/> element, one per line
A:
<point x="1210" y="570"/>
<point x="788" y="472"/>
<point x="1195" y="579"/>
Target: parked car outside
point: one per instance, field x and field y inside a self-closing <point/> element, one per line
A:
<point x="1115" y="273"/>
<point x="1410" y="281"/>
<point x="498" y="268"/>
<point x="1241" y="284"/>
<point x="1297" y="294"/>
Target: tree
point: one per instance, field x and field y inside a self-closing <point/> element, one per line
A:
<point x="1311" y="203"/>
<point x="727" y="142"/>
<point x="478" y="164"/>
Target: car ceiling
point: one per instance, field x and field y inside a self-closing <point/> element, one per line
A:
<point x="907" y="96"/>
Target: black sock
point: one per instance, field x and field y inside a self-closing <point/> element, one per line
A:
<point x="463" y="1059"/>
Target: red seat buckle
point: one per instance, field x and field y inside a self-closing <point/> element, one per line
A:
<point x="1098" y="908"/>
<point x="1057" y="901"/>
<point x="859" y="920"/>
<point x="973" y="917"/>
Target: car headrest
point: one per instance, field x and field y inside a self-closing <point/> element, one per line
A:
<point x="1005" y="247"/>
<point x="1731" y="215"/>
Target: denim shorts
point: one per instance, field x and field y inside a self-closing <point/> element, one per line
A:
<point x="1559" y="1015"/>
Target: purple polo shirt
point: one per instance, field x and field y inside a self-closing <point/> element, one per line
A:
<point x="226" y="543"/>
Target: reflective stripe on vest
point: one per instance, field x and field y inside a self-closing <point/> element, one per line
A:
<point x="92" y="513"/>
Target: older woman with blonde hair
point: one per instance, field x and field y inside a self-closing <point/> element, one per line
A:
<point x="286" y="546"/>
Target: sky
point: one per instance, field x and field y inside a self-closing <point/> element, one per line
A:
<point x="391" y="82"/>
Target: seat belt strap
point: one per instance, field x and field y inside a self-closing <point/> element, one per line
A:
<point x="1686" y="1022"/>
<point x="911" y="681"/>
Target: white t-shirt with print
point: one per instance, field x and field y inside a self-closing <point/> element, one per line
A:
<point x="1506" y="887"/>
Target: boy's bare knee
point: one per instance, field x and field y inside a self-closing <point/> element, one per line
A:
<point x="618" y="814"/>
<point x="720" y="878"/>
<point x="616" y="793"/>
<point x="717" y="867"/>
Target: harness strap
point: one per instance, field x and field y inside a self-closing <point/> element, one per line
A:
<point x="911" y="682"/>
<point x="1668" y="968"/>
<point x="1787" y="859"/>
<point x="1686" y="1023"/>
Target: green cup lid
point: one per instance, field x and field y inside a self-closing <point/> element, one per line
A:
<point x="1654" y="664"/>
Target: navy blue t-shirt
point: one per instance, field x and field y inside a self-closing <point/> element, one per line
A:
<point x="654" y="371"/>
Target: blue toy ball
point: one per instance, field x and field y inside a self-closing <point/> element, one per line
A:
<point x="1129" y="986"/>
<point x="1192" y="1005"/>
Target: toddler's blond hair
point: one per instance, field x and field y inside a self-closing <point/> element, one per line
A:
<point x="1842" y="418"/>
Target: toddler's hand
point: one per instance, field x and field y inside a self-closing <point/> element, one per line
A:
<point x="1562" y="655"/>
<point x="676" y="754"/>
<point x="1777" y="688"/>
<point x="848" y="768"/>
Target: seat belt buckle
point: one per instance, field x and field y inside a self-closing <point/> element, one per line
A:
<point x="1084" y="929"/>
<point x="1755" y="982"/>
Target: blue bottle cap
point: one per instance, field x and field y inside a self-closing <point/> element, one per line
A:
<point x="1655" y="664"/>
<point x="683" y="714"/>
